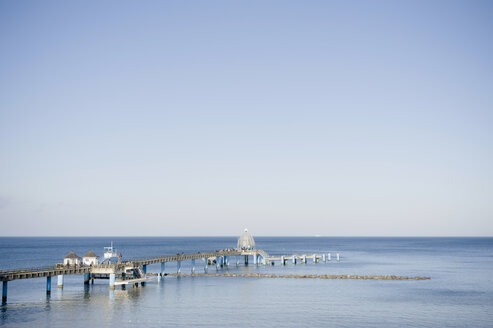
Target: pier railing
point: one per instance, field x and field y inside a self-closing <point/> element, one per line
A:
<point x="181" y="257"/>
<point x="32" y="269"/>
<point x="46" y="271"/>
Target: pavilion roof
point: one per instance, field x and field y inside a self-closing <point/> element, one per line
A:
<point x="72" y="255"/>
<point x="91" y="254"/>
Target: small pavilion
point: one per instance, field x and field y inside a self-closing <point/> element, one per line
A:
<point x="90" y="258"/>
<point x="71" y="259"/>
<point x="246" y="241"/>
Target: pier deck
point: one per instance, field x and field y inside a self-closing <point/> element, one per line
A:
<point x="39" y="272"/>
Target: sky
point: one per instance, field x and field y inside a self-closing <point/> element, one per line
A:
<point x="202" y="118"/>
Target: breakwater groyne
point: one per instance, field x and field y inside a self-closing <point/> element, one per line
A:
<point x="301" y="276"/>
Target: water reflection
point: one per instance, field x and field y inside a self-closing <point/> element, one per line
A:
<point x="240" y="302"/>
<point x="137" y="291"/>
<point x="87" y="294"/>
<point x="3" y="314"/>
<point x="59" y="294"/>
<point x="47" y="303"/>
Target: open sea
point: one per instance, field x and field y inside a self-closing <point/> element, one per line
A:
<point x="459" y="294"/>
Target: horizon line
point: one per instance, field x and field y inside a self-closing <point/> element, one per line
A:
<point x="235" y="236"/>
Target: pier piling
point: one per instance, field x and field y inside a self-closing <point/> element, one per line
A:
<point x="193" y="266"/>
<point x="161" y="275"/>
<point x="112" y="281"/>
<point x="86" y="278"/>
<point x="4" y="292"/>
<point x="60" y="281"/>
<point x="48" y="285"/>
<point x="124" y="275"/>
<point x="144" y="270"/>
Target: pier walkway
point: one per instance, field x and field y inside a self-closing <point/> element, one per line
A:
<point x="183" y="257"/>
<point x="40" y="272"/>
<point x="133" y="271"/>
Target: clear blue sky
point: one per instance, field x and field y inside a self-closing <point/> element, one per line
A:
<point x="286" y="117"/>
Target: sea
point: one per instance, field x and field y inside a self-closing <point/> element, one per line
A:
<point x="459" y="293"/>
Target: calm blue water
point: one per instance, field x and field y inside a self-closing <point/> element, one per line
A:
<point x="460" y="293"/>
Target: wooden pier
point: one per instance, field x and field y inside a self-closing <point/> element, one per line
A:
<point x="134" y="271"/>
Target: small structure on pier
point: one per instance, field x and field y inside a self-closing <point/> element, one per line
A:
<point x="110" y="254"/>
<point x="71" y="259"/>
<point x="90" y="258"/>
<point x="246" y="242"/>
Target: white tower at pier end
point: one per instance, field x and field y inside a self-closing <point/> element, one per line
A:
<point x="246" y="241"/>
